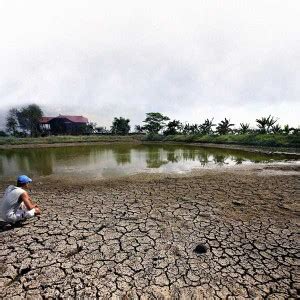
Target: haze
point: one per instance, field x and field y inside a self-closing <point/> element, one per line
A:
<point x="190" y="60"/>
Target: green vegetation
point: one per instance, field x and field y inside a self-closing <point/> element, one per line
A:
<point x="267" y="133"/>
<point x="266" y="140"/>
<point x="154" y="122"/>
<point x="224" y="127"/>
<point x="266" y="124"/>
<point x="120" y="126"/>
<point x="173" y="128"/>
<point x="157" y="127"/>
<point x="69" y="139"/>
<point x="27" y="119"/>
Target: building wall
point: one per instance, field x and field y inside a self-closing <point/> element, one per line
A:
<point x="65" y="126"/>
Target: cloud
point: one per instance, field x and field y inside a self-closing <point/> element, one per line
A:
<point x="190" y="60"/>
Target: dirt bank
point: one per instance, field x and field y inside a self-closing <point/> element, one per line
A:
<point x="137" y="236"/>
<point x="66" y="144"/>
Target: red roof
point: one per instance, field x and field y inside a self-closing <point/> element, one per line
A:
<point x="45" y="120"/>
<point x="74" y="119"/>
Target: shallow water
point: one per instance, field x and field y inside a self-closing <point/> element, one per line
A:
<point x="123" y="159"/>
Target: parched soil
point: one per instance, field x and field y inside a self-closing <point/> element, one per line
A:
<point x="230" y="235"/>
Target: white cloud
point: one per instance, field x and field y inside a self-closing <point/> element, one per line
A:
<point x="188" y="59"/>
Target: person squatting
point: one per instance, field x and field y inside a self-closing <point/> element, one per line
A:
<point x="16" y="204"/>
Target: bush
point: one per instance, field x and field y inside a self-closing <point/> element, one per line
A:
<point x="254" y="139"/>
<point x="153" y="137"/>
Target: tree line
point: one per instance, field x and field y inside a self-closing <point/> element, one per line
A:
<point x="26" y="121"/>
<point x="156" y="123"/>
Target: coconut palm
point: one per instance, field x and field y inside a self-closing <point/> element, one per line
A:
<point x="244" y="128"/>
<point x="206" y="127"/>
<point x="276" y="128"/>
<point x="190" y="129"/>
<point x="265" y="124"/>
<point x="194" y="129"/>
<point x="224" y="126"/>
<point x="262" y="124"/>
<point x="271" y="122"/>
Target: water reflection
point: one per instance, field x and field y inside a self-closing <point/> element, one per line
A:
<point x="238" y="160"/>
<point x="27" y="160"/>
<point x="114" y="160"/>
<point x="155" y="157"/>
<point x="122" y="155"/>
<point x="219" y="159"/>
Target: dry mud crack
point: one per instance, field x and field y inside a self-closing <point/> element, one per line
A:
<point x="216" y="236"/>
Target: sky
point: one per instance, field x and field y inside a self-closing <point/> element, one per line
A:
<point x="189" y="60"/>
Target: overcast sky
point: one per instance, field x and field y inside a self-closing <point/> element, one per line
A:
<point x="190" y="60"/>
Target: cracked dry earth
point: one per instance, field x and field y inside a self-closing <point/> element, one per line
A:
<point x="131" y="239"/>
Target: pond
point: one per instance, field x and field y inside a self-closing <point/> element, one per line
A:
<point x="112" y="160"/>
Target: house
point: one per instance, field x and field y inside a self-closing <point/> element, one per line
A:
<point x="64" y="124"/>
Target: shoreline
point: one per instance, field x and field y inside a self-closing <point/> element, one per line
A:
<point x="288" y="168"/>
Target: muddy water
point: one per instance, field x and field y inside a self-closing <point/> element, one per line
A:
<point x="123" y="159"/>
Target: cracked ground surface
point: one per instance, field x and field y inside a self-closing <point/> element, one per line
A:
<point x="133" y="239"/>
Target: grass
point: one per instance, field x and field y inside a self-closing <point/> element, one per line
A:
<point x="68" y="139"/>
<point x="263" y="140"/>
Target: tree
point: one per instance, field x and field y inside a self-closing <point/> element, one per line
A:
<point x="155" y="122"/>
<point x="191" y="129"/>
<point x="12" y="121"/>
<point x="276" y="128"/>
<point x="264" y="124"/>
<point x="270" y="123"/>
<point x="120" y="126"/>
<point x="29" y="119"/>
<point x="287" y="129"/>
<point x="173" y="127"/>
<point x="102" y="130"/>
<point x="244" y="128"/>
<point x="139" y="129"/>
<point x="224" y="127"/>
<point x="91" y="128"/>
<point x="206" y="127"/>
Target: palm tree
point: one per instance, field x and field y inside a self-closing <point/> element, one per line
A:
<point x="276" y="128"/>
<point x="244" y="128"/>
<point x="270" y="122"/>
<point x="224" y="127"/>
<point x="287" y="129"/>
<point x="194" y="129"/>
<point x="264" y="124"/>
<point x="190" y="128"/>
<point x="261" y="124"/>
<point x="206" y="127"/>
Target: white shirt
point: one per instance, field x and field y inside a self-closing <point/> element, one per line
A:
<point x="10" y="202"/>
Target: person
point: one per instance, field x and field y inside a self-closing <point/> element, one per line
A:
<point x="16" y="204"/>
